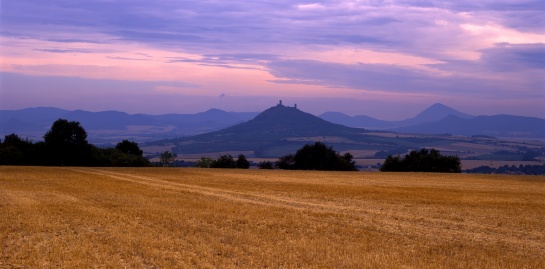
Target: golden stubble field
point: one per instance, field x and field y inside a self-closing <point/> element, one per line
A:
<point x="207" y="218"/>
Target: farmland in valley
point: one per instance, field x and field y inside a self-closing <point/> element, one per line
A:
<point x="212" y="218"/>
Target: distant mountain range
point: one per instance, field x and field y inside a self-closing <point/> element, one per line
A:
<point x="434" y="113"/>
<point x="109" y="127"/>
<point x="505" y="126"/>
<point x="441" y="119"/>
<point x="281" y="130"/>
<point x="113" y="126"/>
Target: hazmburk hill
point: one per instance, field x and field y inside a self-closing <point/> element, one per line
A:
<point x="282" y="129"/>
<point x="109" y="127"/>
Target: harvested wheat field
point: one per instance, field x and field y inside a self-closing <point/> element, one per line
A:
<point x="208" y="218"/>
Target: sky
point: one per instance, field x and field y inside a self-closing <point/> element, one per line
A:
<point x="386" y="59"/>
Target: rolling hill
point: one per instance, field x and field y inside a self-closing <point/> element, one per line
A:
<point x="506" y="126"/>
<point x="433" y="113"/>
<point x="359" y="121"/>
<point x="441" y="119"/>
<point x="280" y="130"/>
<point x="113" y="126"/>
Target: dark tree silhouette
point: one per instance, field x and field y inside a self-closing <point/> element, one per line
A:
<point x="167" y="158"/>
<point x="423" y="160"/>
<point x="15" y="151"/>
<point x="129" y="147"/>
<point x="392" y="164"/>
<point x="224" y="161"/>
<point x="286" y="162"/>
<point x="265" y="165"/>
<point x="317" y="157"/>
<point x="67" y="144"/>
<point x="242" y="162"/>
<point x="204" y="162"/>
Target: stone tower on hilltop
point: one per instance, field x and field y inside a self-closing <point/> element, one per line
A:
<point x="281" y="105"/>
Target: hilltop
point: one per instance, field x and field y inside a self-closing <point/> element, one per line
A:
<point x="435" y="112"/>
<point x="279" y="129"/>
<point x="283" y="129"/>
<point x="107" y="127"/>
<point x="441" y="119"/>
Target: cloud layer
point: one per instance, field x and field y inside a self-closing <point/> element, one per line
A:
<point x="474" y="55"/>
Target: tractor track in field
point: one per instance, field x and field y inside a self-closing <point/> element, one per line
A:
<point x="396" y="223"/>
<point x="235" y="196"/>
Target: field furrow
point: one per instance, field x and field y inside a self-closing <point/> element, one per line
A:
<point x="208" y="218"/>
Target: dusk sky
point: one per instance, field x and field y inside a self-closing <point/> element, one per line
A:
<point x="385" y="59"/>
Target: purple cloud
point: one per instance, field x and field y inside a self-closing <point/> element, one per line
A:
<point x="287" y="39"/>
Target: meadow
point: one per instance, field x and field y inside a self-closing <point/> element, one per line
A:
<point x="71" y="217"/>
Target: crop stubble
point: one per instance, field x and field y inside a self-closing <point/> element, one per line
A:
<point x="213" y="218"/>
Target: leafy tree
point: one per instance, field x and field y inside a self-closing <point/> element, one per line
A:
<point x="286" y="162"/>
<point x="66" y="143"/>
<point x="117" y="158"/>
<point x="15" y="151"/>
<point x="242" y="162"/>
<point x="347" y="163"/>
<point x="10" y="155"/>
<point x="224" y="161"/>
<point x="317" y="156"/>
<point x="423" y="160"/>
<point x="204" y="162"/>
<point x="392" y="164"/>
<point x="129" y="147"/>
<point x="265" y="165"/>
<point x="167" y="158"/>
<point x="14" y="140"/>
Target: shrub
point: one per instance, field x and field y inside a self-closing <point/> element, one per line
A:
<point x="242" y="162"/>
<point x="317" y="157"/>
<point x="224" y="161"/>
<point x="204" y="162"/>
<point x="265" y="165"/>
<point x="422" y="161"/>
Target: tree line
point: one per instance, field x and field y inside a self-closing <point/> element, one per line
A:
<point x="321" y="157"/>
<point x="423" y="160"/>
<point x="316" y="156"/>
<point x="528" y="169"/>
<point x="310" y="157"/>
<point x="223" y="161"/>
<point x="65" y="144"/>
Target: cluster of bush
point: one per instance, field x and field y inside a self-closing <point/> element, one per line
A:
<point x="315" y="156"/>
<point x="321" y="157"/>
<point x="310" y="157"/>
<point x="506" y="169"/>
<point x="423" y="160"/>
<point x="223" y="161"/>
<point x="65" y="144"/>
